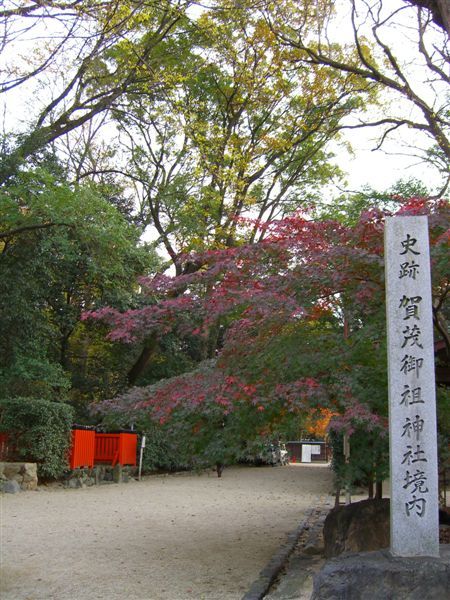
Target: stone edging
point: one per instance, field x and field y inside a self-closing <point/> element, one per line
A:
<point x="267" y="576"/>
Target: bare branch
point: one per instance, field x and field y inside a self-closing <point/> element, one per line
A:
<point x="25" y="228"/>
<point x="395" y="77"/>
<point x="83" y="98"/>
<point x="36" y="5"/>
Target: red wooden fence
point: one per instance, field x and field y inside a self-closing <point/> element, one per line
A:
<point x="115" y="448"/>
<point x="127" y="449"/>
<point x="89" y="448"/>
<point x="82" y="449"/>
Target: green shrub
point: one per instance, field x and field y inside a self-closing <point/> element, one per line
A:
<point x="369" y="459"/>
<point x="163" y="451"/>
<point x="39" y="431"/>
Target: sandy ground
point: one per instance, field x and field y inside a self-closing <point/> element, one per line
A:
<point x="170" y="537"/>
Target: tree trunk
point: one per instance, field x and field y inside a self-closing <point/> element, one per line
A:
<point x="139" y="366"/>
<point x="444" y="7"/>
<point x="379" y="490"/>
<point x="337" y="497"/>
<point x="63" y="352"/>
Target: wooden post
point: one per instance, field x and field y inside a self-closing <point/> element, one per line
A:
<point x="348" y="498"/>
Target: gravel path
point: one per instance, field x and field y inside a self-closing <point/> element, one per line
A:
<point x="175" y="537"/>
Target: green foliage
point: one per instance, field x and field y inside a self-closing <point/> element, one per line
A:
<point x="228" y="122"/>
<point x="174" y="355"/>
<point x="347" y="208"/>
<point x="241" y="130"/>
<point x="305" y="335"/>
<point x="163" y="450"/>
<point x="63" y="250"/>
<point x="97" y="368"/>
<point x="34" y="375"/>
<point x="368" y="462"/>
<point x="40" y="431"/>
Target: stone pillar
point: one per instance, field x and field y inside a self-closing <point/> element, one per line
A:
<point x="117" y="473"/>
<point x="412" y="399"/>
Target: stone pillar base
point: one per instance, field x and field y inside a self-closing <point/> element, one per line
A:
<point x="378" y="576"/>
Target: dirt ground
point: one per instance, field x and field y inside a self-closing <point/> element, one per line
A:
<point x="173" y="537"/>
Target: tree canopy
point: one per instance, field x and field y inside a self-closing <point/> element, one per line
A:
<point x="303" y="322"/>
<point x="98" y="52"/>
<point x="375" y="52"/>
<point x="62" y="251"/>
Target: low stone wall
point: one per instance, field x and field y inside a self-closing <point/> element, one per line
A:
<point x="98" y="475"/>
<point x="17" y="476"/>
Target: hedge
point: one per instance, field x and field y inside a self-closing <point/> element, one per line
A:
<point x="39" y="431"/>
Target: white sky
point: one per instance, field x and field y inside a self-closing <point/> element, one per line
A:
<point x="380" y="169"/>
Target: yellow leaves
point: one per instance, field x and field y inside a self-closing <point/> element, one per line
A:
<point x="272" y="143"/>
<point x="251" y="200"/>
<point x="263" y="34"/>
<point x="125" y="16"/>
<point x="317" y="422"/>
<point x="367" y="51"/>
<point x="206" y="23"/>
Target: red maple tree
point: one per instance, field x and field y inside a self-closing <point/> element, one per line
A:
<point x="303" y="319"/>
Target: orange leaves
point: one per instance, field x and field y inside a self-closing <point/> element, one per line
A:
<point x="318" y="421"/>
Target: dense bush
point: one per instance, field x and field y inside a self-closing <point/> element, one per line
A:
<point x="39" y="431"/>
<point x="161" y="452"/>
<point x="369" y="459"/>
<point x="164" y="451"/>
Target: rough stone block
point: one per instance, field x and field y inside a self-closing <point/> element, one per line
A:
<point x="108" y="476"/>
<point x="11" y="470"/>
<point x="381" y="576"/>
<point x="75" y="483"/>
<point x="29" y="476"/>
<point x="10" y="487"/>
<point x="29" y="486"/>
<point x="24" y="474"/>
<point x="358" y="527"/>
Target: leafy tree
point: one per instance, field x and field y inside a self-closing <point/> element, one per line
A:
<point x="305" y="330"/>
<point x="38" y="431"/>
<point x="380" y="31"/>
<point x="97" y="50"/>
<point x="237" y="133"/>
<point x="62" y="250"/>
<point x="347" y="208"/>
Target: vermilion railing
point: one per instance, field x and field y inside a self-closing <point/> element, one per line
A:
<point x="127" y="449"/>
<point x="115" y="448"/>
<point x="82" y="449"/>
<point x="88" y="448"/>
